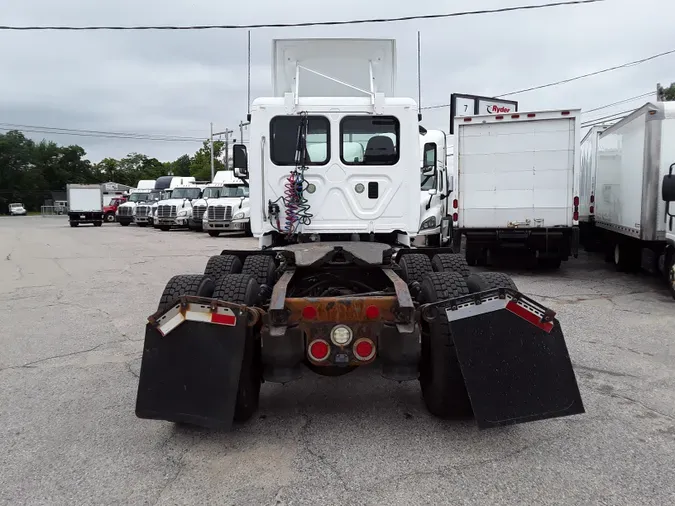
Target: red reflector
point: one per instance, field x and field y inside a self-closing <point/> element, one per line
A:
<point x="223" y="319"/>
<point x="529" y="316"/>
<point x="515" y="116"/>
<point x="309" y="312"/>
<point x="467" y="119"/>
<point x="364" y="349"/>
<point x="455" y="217"/>
<point x="372" y="312"/>
<point x="592" y="199"/>
<point x="499" y="117"/>
<point x="455" y="203"/>
<point x="531" y="115"/>
<point x="592" y="209"/>
<point x="565" y="113"/>
<point x="576" y="216"/>
<point x="319" y="350"/>
<point x="576" y="201"/>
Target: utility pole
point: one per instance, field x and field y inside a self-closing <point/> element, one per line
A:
<point x="241" y="130"/>
<point x="227" y="147"/>
<point x="226" y="133"/>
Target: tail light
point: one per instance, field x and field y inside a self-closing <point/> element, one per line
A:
<point x="499" y="117"/>
<point x="565" y="113"/>
<point x="576" y="216"/>
<point x="576" y="201"/>
<point x="531" y="115"/>
<point x="364" y="350"/>
<point x="309" y="312"/>
<point x="318" y="350"/>
<point x="455" y="217"/>
<point x="592" y="199"/>
<point x="455" y="204"/>
<point x="592" y="209"/>
<point x="372" y="312"/>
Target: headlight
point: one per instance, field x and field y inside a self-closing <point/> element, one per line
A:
<point x="239" y="216"/>
<point x="183" y="212"/>
<point x="428" y="223"/>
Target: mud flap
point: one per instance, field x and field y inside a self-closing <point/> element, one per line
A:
<point x="190" y="374"/>
<point x="514" y="360"/>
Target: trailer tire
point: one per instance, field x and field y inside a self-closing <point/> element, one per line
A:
<point x="441" y="380"/>
<point x="197" y="285"/>
<point x="261" y="267"/>
<point x="124" y="223"/>
<point x="626" y="257"/>
<point x="74" y="224"/>
<point x="414" y="267"/>
<point x="489" y="281"/>
<point x="244" y="289"/>
<point x="221" y="265"/>
<point x="451" y="262"/>
<point x="214" y="233"/>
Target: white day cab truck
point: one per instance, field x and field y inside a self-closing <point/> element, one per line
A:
<point x="334" y="284"/>
<point x="177" y="210"/>
<point x="144" y="192"/>
<point x="165" y="185"/>
<point x="17" y="209"/>
<point x="635" y="192"/>
<point x="85" y="204"/>
<point x="517" y="186"/>
<point x="225" y="207"/>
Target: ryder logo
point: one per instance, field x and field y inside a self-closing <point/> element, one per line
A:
<point x="498" y="109"/>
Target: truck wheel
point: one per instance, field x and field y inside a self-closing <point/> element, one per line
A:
<point x="450" y="262"/>
<point x="110" y="217"/>
<point x="142" y="225"/>
<point x="626" y="257"/>
<point x="73" y="223"/>
<point x="414" y="267"/>
<point x="441" y="379"/>
<point x="165" y="229"/>
<point x="221" y="265"/>
<point x="124" y="223"/>
<point x="489" y="281"/>
<point x="98" y="223"/>
<point x="185" y="284"/>
<point x="214" y="233"/>
<point x="243" y="289"/>
<point x="261" y="267"/>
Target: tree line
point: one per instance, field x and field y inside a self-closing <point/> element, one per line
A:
<point x="30" y="170"/>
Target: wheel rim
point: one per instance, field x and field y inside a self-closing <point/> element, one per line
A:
<point x="616" y="254"/>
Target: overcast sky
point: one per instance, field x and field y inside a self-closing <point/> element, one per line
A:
<point x="175" y="83"/>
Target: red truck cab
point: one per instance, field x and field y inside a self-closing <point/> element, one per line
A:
<point x="110" y="210"/>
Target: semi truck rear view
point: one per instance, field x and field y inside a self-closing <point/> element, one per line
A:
<point x="517" y="186"/>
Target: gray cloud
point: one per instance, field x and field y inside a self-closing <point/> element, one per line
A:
<point x="177" y="82"/>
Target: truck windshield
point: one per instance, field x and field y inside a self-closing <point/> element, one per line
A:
<point x="142" y="197"/>
<point x="185" y="193"/>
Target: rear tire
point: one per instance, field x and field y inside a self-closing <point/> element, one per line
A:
<point x="72" y="223"/>
<point x="441" y="380"/>
<point x="221" y="265"/>
<point x="261" y="267"/>
<point x="142" y="225"/>
<point x="489" y="281"/>
<point x="449" y="262"/>
<point x="98" y="223"/>
<point x="414" y="267"/>
<point x="165" y="229"/>
<point x="124" y="223"/>
<point x="243" y="289"/>
<point x="185" y="284"/>
<point x="214" y="233"/>
<point x="110" y="217"/>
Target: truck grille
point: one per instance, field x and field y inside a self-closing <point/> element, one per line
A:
<point x="125" y="211"/>
<point x="198" y="212"/>
<point x="142" y="211"/>
<point x="166" y="211"/>
<point x="220" y="213"/>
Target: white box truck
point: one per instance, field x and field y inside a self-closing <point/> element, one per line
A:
<point x="85" y="204"/>
<point x="589" y="164"/>
<point x="517" y="186"/>
<point x="634" y="190"/>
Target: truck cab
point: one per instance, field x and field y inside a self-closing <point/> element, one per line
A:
<point x="224" y="206"/>
<point x="110" y="209"/>
<point x="17" y="209"/>
<point x="176" y="211"/>
<point x="126" y="213"/>
<point x="166" y="184"/>
<point x="436" y="188"/>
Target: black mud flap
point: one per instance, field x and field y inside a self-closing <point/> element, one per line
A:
<point x="191" y="374"/>
<point x="514" y="360"/>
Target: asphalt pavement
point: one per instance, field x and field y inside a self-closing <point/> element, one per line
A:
<point x="75" y="301"/>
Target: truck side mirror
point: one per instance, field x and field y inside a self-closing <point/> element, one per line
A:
<point x="668" y="188"/>
<point x="240" y="160"/>
<point x="451" y="187"/>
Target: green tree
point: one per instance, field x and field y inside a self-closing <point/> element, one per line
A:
<point x="181" y="167"/>
<point x="666" y="94"/>
<point x="200" y="163"/>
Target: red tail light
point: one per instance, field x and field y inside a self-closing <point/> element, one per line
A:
<point x="565" y="113"/>
<point x="592" y="209"/>
<point x="318" y="350"/>
<point x="576" y="216"/>
<point x="576" y="201"/>
<point x="592" y="199"/>
<point x="531" y="115"/>
<point x="364" y="349"/>
<point x="455" y="217"/>
<point x="515" y="116"/>
<point x="467" y="119"/>
<point x="372" y="312"/>
<point x="499" y="117"/>
<point x="455" y="204"/>
<point x="309" y="312"/>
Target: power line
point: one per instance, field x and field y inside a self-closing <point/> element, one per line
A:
<point x="102" y="136"/>
<point x="576" y="78"/>
<point x="644" y="95"/>
<point x="602" y="119"/>
<point x="97" y="133"/>
<point x="308" y="23"/>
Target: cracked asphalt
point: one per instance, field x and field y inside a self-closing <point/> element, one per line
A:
<point x="74" y="306"/>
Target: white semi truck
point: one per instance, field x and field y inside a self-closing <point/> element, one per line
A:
<point x="334" y="284"/>
<point x="177" y="210"/>
<point x="635" y="190"/>
<point x="225" y="206"/>
<point x="85" y="204"/>
<point x="144" y="192"/>
<point x="145" y="212"/>
<point x="517" y="190"/>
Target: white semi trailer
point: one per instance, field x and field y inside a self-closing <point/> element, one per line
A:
<point x="589" y="165"/>
<point x="517" y="190"/>
<point x="635" y="190"/>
